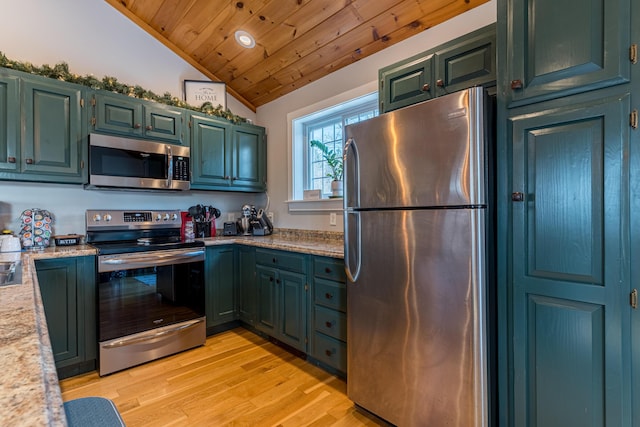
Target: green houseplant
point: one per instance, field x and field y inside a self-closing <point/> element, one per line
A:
<point x="334" y="161"/>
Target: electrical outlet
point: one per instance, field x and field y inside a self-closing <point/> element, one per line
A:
<point x="332" y="218"/>
<point x="270" y="216"/>
<point x="230" y="217"/>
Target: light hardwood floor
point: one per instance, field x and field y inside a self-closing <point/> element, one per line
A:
<point x="236" y="379"/>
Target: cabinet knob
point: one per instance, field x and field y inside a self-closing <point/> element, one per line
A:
<point x="440" y="83"/>
<point x="137" y="126"/>
<point x="328" y="352"/>
<point x="28" y="161"/>
<point x="278" y="281"/>
<point x="274" y="260"/>
<point x="517" y="197"/>
<point x="328" y="324"/>
<point x="149" y="127"/>
<point x="327" y="270"/>
<point x="516" y="84"/>
<point x="227" y="177"/>
<point x="11" y="159"/>
<point x="426" y="87"/>
<point x="234" y="178"/>
<point x="271" y="279"/>
<point x="328" y="295"/>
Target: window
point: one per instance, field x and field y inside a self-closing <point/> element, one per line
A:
<point x="310" y="169"/>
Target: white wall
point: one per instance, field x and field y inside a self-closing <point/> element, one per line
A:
<point x="356" y="79"/>
<point x="93" y="38"/>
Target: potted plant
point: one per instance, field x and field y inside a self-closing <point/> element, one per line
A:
<point x="334" y="161"/>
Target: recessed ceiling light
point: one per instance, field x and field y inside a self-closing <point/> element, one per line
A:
<point x="245" y="39"/>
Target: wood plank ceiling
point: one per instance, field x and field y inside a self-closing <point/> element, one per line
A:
<point x="297" y="41"/>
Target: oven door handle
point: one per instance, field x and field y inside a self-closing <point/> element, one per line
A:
<point x="152" y="335"/>
<point x="155" y="260"/>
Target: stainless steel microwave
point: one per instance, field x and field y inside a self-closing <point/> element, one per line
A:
<point x="126" y="163"/>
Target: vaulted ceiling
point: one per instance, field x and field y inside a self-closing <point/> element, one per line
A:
<point x="297" y="41"/>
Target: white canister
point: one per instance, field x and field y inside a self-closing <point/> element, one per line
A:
<point x="10" y="244"/>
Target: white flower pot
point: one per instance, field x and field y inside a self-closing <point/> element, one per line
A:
<point x="336" y="188"/>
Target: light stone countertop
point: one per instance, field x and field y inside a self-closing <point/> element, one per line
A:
<point x="29" y="389"/>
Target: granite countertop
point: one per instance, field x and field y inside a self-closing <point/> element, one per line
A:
<point x="328" y="244"/>
<point x="29" y="390"/>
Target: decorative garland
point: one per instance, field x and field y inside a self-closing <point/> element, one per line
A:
<point x="61" y="72"/>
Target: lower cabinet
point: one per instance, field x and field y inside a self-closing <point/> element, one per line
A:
<point x="282" y="296"/>
<point x="68" y="289"/>
<point x="220" y="291"/>
<point x="328" y="343"/>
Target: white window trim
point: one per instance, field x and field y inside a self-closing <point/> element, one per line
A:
<point x="323" y="205"/>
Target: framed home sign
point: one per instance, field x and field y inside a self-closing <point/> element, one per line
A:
<point x="197" y="92"/>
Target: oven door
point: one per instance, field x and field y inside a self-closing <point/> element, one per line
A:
<point x="150" y="304"/>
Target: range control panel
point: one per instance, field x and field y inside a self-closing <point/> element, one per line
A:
<point x="124" y="219"/>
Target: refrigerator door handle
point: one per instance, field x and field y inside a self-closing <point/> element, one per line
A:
<point x="350" y="159"/>
<point x="357" y="240"/>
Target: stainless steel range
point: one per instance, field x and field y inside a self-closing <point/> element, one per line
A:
<point x="150" y="286"/>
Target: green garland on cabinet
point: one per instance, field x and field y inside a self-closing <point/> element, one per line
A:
<point x="61" y="72"/>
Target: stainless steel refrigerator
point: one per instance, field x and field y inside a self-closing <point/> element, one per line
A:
<point x="416" y="197"/>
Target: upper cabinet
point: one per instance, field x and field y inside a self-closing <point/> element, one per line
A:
<point x="50" y="144"/>
<point x="9" y="123"/>
<point x="122" y="115"/>
<point x="467" y="61"/>
<point x="557" y="48"/>
<point x="226" y="156"/>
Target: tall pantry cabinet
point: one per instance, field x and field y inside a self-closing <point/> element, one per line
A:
<point x="568" y="206"/>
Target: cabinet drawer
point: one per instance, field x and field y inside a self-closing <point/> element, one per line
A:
<point x="331" y="322"/>
<point x="330" y="294"/>
<point x="329" y="268"/>
<point x="283" y="260"/>
<point x="331" y="351"/>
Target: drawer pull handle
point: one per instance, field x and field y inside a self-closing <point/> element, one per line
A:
<point x="329" y="324"/>
<point x="328" y="295"/>
<point x="329" y="352"/>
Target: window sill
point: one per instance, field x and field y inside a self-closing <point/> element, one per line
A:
<point x="322" y="205"/>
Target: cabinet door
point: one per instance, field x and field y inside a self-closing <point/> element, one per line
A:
<point x="67" y="286"/>
<point x="118" y="115"/>
<point x="53" y="140"/>
<point x="292" y="297"/>
<point x="249" y="158"/>
<point x="247" y="284"/>
<point x="406" y="83"/>
<point x="570" y="356"/>
<point x="220" y="289"/>
<point x="163" y="123"/>
<point x="555" y="48"/>
<point x="467" y="63"/>
<point x="210" y="153"/>
<point x="266" y="311"/>
<point x="9" y="123"/>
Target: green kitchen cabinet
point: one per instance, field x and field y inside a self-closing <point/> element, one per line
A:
<point x="282" y="296"/>
<point x="68" y="289"/>
<point x="467" y="61"/>
<point x="220" y="291"/>
<point x="570" y="217"/>
<point x="122" y="115"/>
<point x="557" y="48"/>
<point x="247" y="290"/>
<point x="328" y="316"/>
<point x="9" y="123"/>
<point x="50" y="144"/>
<point x="227" y="157"/>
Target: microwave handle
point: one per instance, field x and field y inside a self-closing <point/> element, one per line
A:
<point x="169" y="166"/>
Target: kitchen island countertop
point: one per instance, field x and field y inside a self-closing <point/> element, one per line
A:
<point x="29" y="390"/>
